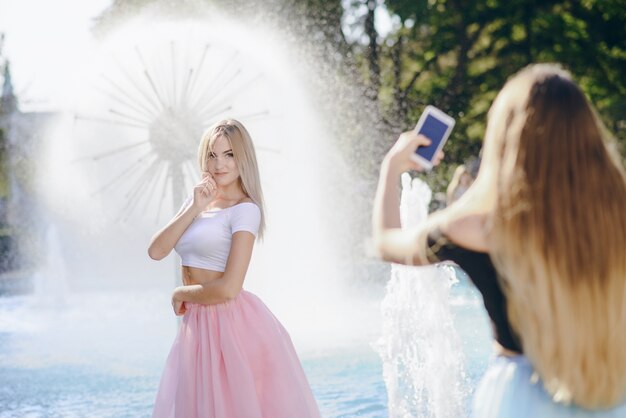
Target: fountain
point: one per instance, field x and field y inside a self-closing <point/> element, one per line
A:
<point x="116" y="167"/>
<point x="423" y="363"/>
<point x="20" y="219"/>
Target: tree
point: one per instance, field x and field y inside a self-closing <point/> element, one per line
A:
<point x="457" y="55"/>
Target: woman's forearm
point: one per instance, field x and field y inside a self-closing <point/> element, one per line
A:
<point x="390" y="241"/>
<point x="164" y="241"/>
<point x="386" y="214"/>
<point x="211" y="293"/>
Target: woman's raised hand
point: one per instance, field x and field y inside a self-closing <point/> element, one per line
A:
<point x="399" y="156"/>
<point x="205" y="191"/>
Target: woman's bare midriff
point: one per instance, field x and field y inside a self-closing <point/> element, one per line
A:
<point x="194" y="275"/>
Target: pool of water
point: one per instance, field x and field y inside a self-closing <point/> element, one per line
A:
<point x="100" y="355"/>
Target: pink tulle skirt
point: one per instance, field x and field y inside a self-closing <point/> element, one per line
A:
<point x="233" y="360"/>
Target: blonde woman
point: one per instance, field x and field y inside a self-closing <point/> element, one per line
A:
<point x="542" y="234"/>
<point x="231" y="357"/>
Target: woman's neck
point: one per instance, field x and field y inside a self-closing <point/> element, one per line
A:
<point x="231" y="193"/>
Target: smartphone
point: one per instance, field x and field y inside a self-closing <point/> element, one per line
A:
<point x="436" y="126"/>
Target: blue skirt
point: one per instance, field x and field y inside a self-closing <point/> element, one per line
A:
<point x="508" y="390"/>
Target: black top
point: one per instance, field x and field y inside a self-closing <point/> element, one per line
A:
<point x="481" y="271"/>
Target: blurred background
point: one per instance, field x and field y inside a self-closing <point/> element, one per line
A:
<point x="103" y="104"/>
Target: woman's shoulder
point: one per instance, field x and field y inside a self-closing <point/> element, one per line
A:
<point x="245" y="200"/>
<point x="245" y="216"/>
<point x="244" y="207"/>
<point x="245" y="204"/>
<point x="466" y="230"/>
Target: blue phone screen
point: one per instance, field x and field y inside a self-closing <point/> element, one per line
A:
<point x="433" y="129"/>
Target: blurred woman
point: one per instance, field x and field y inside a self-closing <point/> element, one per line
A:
<point x="542" y="234"/>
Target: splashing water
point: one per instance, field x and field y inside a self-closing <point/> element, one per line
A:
<point x="423" y="365"/>
<point x="92" y="340"/>
<point x="50" y="281"/>
<point x="121" y="165"/>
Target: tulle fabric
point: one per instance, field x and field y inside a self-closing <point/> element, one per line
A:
<point x="508" y="390"/>
<point x="233" y="360"/>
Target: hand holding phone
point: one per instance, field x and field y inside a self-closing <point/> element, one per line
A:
<point x="436" y="126"/>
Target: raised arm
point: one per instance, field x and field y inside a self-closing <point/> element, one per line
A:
<point x="164" y="241"/>
<point x="463" y="222"/>
<point x="390" y="241"/>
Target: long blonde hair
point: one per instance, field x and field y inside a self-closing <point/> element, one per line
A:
<point x="555" y="191"/>
<point x="245" y="158"/>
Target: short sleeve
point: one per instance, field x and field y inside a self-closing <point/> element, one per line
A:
<point x="245" y="217"/>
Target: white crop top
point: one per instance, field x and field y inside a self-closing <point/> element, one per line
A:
<point x="206" y="242"/>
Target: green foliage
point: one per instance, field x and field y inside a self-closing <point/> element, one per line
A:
<point x="455" y="54"/>
<point x="458" y="54"/>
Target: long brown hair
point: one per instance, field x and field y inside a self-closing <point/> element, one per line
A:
<point x="245" y="158"/>
<point x="558" y="233"/>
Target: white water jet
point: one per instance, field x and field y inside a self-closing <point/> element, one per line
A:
<point x="50" y="280"/>
<point x="121" y="168"/>
<point x="423" y="362"/>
